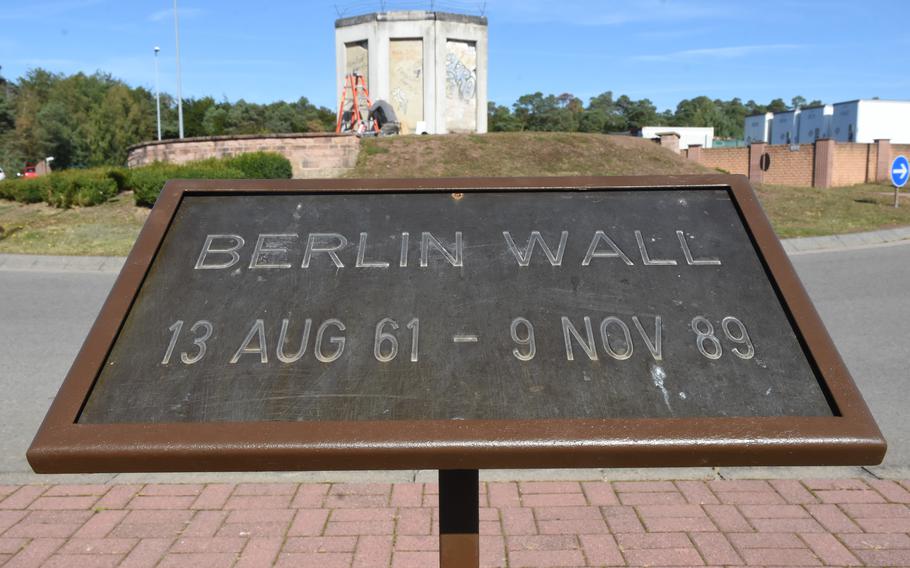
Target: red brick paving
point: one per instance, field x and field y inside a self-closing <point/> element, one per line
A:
<point x="817" y="522"/>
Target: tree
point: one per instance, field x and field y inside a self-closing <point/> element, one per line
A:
<point x="194" y="115"/>
<point x="593" y="120"/>
<point x="7" y="107"/>
<point x="86" y="120"/>
<point x="604" y="106"/>
<point x="9" y="156"/>
<point x="777" y="105"/>
<point x="637" y="113"/>
<point x="501" y="119"/>
<point x="123" y="118"/>
<point x="548" y="113"/>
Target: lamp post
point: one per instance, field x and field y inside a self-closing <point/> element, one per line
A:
<point x="179" y="97"/>
<point x="157" y="93"/>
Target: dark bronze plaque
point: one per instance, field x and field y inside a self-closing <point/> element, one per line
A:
<point x="477" y="324"/>
<point x="319" y="325"/>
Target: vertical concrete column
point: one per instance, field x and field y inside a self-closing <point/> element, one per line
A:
<point x="756" y="149"/>
<point x="439" y="91"/>
<point x="694" y="153"/>
<point x="823" y="174"/>
<point x="883" y="161"/>
<point x="670" y="141"/>
<point x="482" y="59"/>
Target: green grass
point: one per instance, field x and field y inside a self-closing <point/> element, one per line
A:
<point x="107" y="230"/>
<point x="515" y="154"/>
<point x="809" y="211"/>
<point x="111" y="228"/>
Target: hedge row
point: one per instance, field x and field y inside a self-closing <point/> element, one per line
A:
<point x="94" y="186"/>
<point x="147" y="182"/>
<point x="65" y="189"/>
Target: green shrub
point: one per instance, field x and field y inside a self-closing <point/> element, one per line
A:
<point x="26" y="190"/>
<point x="82" y="188"/>
<point x="61" y="187"/>
<point x="94" y="190"/>
<point x="119" y="175"/>
<point x="6" y="189"/>
<point x="261" y="165"/>
<point x="147" y="182"/>
<point x="67" y="188"/>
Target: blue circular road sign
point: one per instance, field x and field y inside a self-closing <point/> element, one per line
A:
<point x="900" y="171"/>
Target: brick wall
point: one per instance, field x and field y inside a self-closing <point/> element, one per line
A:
<point x="730" y="160"/>
<point x="312" y="155"/>
<point x="838" y="164"/>
<point x="872" y="163"/>
<point x="851" y="164"/>
<point x="790" y="167"/>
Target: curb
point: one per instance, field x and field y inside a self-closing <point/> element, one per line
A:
<point x="846" y="241"/>
<point x="40" y="263"/>
<point x="880" y="472"/>
<point x="113" y="264"/>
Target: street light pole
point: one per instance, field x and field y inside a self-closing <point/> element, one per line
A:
<point x="157" y="93"/>
<point x="179" y="97"/>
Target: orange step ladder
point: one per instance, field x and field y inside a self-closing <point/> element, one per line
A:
<point x="356" y="84"/>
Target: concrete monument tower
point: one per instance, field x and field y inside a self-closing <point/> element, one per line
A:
<point x="430" y="66"/>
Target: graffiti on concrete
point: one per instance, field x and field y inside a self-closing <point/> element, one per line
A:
<point x="460" y="81"/>
<point x="461" y="86"/>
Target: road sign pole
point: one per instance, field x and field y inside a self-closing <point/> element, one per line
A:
<point x="900" y="173"/>
<point x="459" y="518"/>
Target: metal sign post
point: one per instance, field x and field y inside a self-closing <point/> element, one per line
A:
<point x="900" y="173"/>
<point x="459" y="518"/>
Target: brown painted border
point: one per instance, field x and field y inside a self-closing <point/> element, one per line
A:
<point x="62" y="446"/>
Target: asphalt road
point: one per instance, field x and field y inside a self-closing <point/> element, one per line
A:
<point x="863" y="296"/>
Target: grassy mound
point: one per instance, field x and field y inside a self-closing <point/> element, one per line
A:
<point x="516" y="154"/>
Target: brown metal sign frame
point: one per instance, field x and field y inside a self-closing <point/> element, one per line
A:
<point x="849" y="437"/>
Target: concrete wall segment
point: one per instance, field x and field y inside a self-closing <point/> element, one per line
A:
<point x="434" y="29"/>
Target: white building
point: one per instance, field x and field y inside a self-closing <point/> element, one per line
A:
<point x="863" y="121"/>
<point x="868" y="120"/>
<point x="758" y="127"/>
<point x="704" y="136"/>
<point x="430" y="66"/>
<point x="814" y="123"/>
<point x="784" y="128"/>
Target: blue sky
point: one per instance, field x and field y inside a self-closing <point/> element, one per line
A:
<point x="665" y="50"/>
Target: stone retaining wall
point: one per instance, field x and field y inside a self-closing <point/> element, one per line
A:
<point x="312" y="155"/>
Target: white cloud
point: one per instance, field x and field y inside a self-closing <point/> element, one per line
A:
<point x="587" y="13"/>
<point x="43" y="10"/>
<point x="50" y="63"/>
<point x="169" y="13"/>
<point x="239" y="63"/>
<point x="730" y="52"/>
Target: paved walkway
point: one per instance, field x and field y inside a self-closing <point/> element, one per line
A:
<point x="842" y="522"/>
